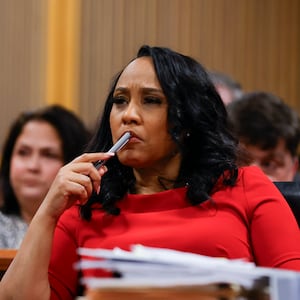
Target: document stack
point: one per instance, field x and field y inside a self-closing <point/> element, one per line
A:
<point x="156" y="273"/>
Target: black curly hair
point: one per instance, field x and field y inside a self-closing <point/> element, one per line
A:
<point x="195" y="111"/>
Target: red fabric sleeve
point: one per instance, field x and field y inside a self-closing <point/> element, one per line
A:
<point x="62" y="274"/>
<point x="273" y="227"/>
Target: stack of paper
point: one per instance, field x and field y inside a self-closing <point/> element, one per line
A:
<point x="156" y="267"/>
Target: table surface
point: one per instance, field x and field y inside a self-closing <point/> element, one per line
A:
<point x="6" y="257"/>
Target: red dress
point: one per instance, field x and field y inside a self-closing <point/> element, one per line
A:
<point x="251" y="221"/>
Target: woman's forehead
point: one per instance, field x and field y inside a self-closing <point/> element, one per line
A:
<point x="140" y="71"/>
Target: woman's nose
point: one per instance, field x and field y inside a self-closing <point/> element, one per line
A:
<point x="33" y="162"/>
<point x="131" y="113"/>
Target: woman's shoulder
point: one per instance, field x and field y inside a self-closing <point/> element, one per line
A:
<point x="250" y="178"/>
<point x="253" y="175"/>
<point x="254" y="184"/>
<point x="251" y="171"/>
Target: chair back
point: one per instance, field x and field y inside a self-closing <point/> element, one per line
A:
<point x="291" y="192"/>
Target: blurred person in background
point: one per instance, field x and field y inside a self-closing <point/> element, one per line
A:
<point x="228" y="88"/>
<point x="38" y="144"/>
<point x="270" y="131"/>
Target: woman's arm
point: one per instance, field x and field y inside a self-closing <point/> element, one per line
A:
<point x="27" y="276"/>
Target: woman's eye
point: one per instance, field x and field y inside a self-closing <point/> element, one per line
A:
<point x="153" y="100"/>
<point x="23" y="152"/>
<point x="52" y="155"/>
<point x="119" y="100"/>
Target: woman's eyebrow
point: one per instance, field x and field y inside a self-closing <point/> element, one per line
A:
<point x="121" y="89"/>
<point x="155" y="90"/>
<point x="145" y="89"/>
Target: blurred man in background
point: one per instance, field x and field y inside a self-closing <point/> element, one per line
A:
<point x="228" y="88"/>
<point x="270" y="131"/>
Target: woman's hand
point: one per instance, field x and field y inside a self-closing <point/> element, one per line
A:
<point x="74" y="182"/>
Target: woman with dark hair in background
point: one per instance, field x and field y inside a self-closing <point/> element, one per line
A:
<point x="176" y="184"/>
<point x="38" y="144"/>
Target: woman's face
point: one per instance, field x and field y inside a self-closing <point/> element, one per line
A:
<point x="37" y="156"/>
<point x="140" y="107"/>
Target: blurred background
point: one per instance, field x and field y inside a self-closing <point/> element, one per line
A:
<point x="67" y="51"/>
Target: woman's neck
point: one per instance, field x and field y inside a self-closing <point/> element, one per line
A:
<point x="157" y="179"/>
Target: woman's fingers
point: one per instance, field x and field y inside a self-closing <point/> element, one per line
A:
<point x="75" y="182"/>
<point x="89" y="174"/>
<point x="93" y="157"/>
<point x="96" y="178"/>
<point x="89" y="178"/>
<point x="94" y="174"/>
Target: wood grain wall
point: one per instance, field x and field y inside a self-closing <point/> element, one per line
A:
<point x="22" y="58"/>
<point x="255" y="41"/>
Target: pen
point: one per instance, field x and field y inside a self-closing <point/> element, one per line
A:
<point x="120" y="143"/>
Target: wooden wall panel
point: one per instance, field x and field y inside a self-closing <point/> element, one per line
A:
<point x="22" y="58"/>
<point x="62" y="62"/>
<point x="255" y="41"/>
